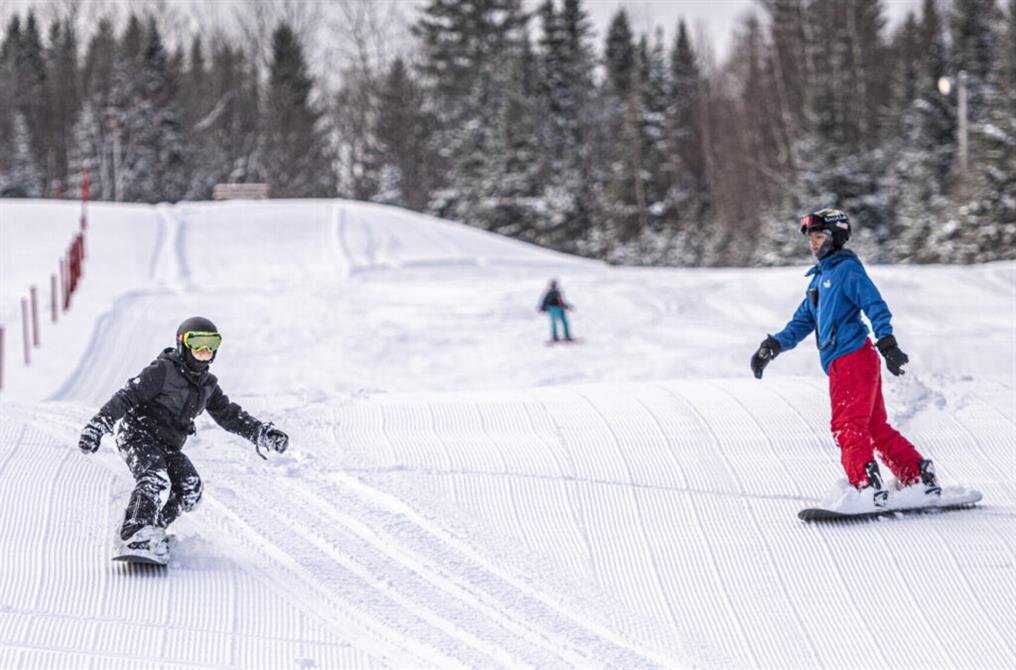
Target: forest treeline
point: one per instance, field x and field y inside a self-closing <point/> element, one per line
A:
<point x="628" y="147"/>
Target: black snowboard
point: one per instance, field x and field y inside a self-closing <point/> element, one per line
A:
<point x="142" y="559"/>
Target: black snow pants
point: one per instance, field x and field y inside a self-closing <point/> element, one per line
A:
<point x="166" y="482"/>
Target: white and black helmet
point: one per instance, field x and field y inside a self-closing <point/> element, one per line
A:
<point x="195" y="324"/>
<point x="831" y="220"/>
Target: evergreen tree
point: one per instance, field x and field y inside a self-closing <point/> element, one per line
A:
<point x="355" y="111"/>
<point x="195" y="96"/>
<point x="472" y="53"/>
<point x="92" y="134"/>
<point x="841" y="158"/>
<point x="657" y="173"/>
<point x="986" y="214"/>
<point x="503" y="193"/>
<point x="164" y="175"/>
<point x="996" y="146"/>
<point x="404" y="129"/>
<point x="87" y="152"/>
<point x="973" y="42"/>
<point x="8" y="81"/>
<point x="626" y="209"/>
<point x="32" y="100"/>
<point x="24" y="177"/>
<point x="62" y="78"/>
<point x="295" y="160"/>
<point x="97" y="71"/>
<point x="127" y="116"/>
<point x="564" y="90"/>
<point x="197" y="103"/>
<point x="688" y="201"/>
<point x="924" y="166"/>
<point x="237" y="116"/>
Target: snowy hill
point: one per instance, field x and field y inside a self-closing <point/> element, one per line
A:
<point x="457" y="494"/>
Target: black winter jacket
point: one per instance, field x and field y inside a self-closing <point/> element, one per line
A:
<point x="553" y="298"/>
<point x="166" y="396"/>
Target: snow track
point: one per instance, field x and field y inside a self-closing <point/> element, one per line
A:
<point x="458" y="495"/>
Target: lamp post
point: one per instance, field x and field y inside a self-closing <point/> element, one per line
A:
<point x="945" y="87"/>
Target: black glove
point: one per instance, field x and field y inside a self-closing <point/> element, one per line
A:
<point x="894" y="358"/>
<point x="91" y="435"/>
<point x="767" y="351"/>
<point x="272" y="438"/>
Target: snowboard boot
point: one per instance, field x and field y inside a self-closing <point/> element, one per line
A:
<point x="928" y="478"/>
<point x="880" y="495"/>
<point x="150" y="540"/>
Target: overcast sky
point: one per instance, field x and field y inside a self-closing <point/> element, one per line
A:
<point x="715" y="18"/>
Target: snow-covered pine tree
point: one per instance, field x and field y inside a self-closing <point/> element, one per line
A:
<point x="197" y="103"/>
<point x="86" y="152"/>
<point x="986" y="226"/>
<point x="23" y="179"/>
<point x="515" y="205"/>
<point x="32" y="101"/>
<point x="127" y="117"/>
<point x="354" y="116"/>
<point x="626" y="206"/>
<point x="657" y="168"/>
<point x="688" y="201"/>
<point x="404" y="128"/>
<point x="994" y="142"/>
<point x="565" y="84"/>
<point x="96" y="131"/>
<point x="923" y="168"/>
<point x="841" y="162"/>
<point x="296" y="159"/>
<point x="164" y="176"/>
<point x="8" y="78"/>
<point x="471" y="50"/>
<point x="62" y="81"/>
<point x="232" y="125"/>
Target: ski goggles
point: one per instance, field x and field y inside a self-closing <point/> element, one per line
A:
<point x="812" y="223"/>
<point x="197" y="341"/>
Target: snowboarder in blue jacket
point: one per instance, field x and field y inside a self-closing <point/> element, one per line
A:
<point x="839" y="290"/>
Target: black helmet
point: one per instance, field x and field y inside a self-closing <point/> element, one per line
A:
<point x="194" y="324"/>
<point x="832" y="220"/>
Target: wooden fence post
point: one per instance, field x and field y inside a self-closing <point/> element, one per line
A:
<point x="35" y="316"/>
<point x="24" y="331"/>
<point x="54" y="297"/>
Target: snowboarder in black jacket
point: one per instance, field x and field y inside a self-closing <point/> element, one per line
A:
<point x="157" y="408"/>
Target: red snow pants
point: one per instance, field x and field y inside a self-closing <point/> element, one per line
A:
<point x="859" y="422"/>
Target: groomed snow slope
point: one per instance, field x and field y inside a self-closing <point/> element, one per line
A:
<point x="457" y="494"/>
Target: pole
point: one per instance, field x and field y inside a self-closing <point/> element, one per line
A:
<point x="35" y="316"/>
<point x="65" y="283"/>
<point x="86" y="192"/>
<point x="1" y="358"/>
<point x="53" y="296"/>
<point x="24" y="331"/>
<point x="961" y="102"/>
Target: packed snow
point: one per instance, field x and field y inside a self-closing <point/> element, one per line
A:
<point x="457" y="493"/>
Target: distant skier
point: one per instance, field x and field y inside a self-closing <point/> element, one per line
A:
<point x="839" y="291"/>
<point x="158" y="408"/>
<point x="554" y="304"/>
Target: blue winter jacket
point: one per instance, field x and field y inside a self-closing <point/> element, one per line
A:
<point x="839" y="290"/>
